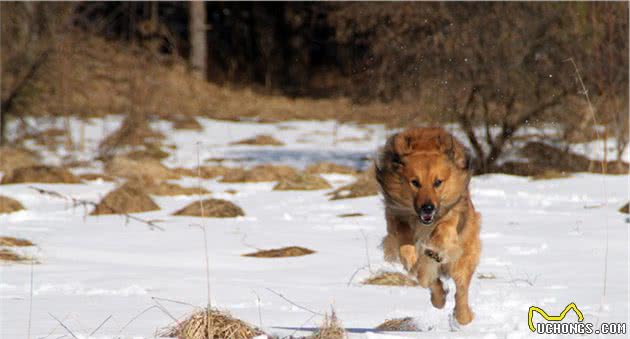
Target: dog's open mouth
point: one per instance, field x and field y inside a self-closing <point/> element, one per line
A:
<point x="426" y="219"/>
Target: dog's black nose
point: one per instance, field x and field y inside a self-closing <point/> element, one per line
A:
<point x="427" y="208"/>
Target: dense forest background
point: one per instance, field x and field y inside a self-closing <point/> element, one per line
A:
<point x="499" y="65"/>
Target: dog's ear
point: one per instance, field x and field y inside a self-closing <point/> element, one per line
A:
<point x="457" y="153"/>
<point x="393" y="154"/>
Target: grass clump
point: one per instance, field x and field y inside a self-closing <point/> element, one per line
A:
<point x="350" y="215"/>
<point x="15" y="242"/>
<point x="331" y="328"/>
<point x="9" y="205"/>
<point x="406" y="324"/>
<point x="143" y="170"/>
<point x="329" y="167"/>
<point x="260" y="173"/>
<point x="14" y="157"/>
<point x="364" y="186"/>
<point x="128" y="198"/>
<point x="284" y="252"/>
<point x="39" y="173"/>
<point x="212" y="324"/>
<point x="95" y="176"/>
<point x="8" y="255"/>
<point x="390" y="279"/>
<point x="212" y="208"/>
<point x="260" y="140"/>
<point x="168" y="189"/>
<point x="302" y="182"/>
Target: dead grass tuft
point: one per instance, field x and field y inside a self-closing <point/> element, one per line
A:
<point x="364" y="186"/>
<point x="9" y="205"/>
<point x="350" y="215"/>
<point x="145" y="170"/>
<point x="15" y="242"/>
<point x="329" y="167"/>
<point x="38" y="173"/>
<point x="221" y="325"/>
<point x="302" y="182"/>
<point x="128" y="198"/>
<point x="95" y="176"/>
<point x="260" y="173"/>
<point x="212" y="208"/>
<point x="625" y="208"/>
<point x="488" y="276"/>
<point x="406" y="324"/>
<point x="390" y="279"/>
<point x="8" y="255"/>
<point x="548" y="174"/>
<point x="149" y="151"/>
<point x="206" y="172"/>
<point x="284" y="252"/>
<point x="169" y="189"/>
<point x="549" y="157"/>
<point x="185" y="122"/>
<point x="260" y="140"/>
<point x="134" y="131"/>
<point x="13" y="157"/>
<point x="331" y="328"/>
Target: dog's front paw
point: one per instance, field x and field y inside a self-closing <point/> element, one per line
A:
<point x="433" y="254"/>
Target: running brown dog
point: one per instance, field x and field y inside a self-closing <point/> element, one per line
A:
<point x="432" y="226"/>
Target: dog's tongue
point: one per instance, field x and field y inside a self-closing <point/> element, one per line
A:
<point x="426" y="217"/>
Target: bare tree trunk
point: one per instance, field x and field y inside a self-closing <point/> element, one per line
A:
<point x="198" y="39"/>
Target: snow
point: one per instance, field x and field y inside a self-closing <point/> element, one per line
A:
<point x="544" y="241"/>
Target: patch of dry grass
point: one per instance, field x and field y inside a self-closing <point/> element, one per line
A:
<point x="212" y="208"/>
<point x="350" y="215"/>
<point x="185" y="122"/>
<point x="15" y="242"/>
<point x="38" y="173"/>
<point x="169" y="189"/>
<point x="142" y="170"/>
<point x="302" y="182"/>
<point x="284" y="252"/>
<point x="8" y="255"/>
<point x="260" y="140"/>
<point x="331" y="328"/>
<point x="152" y="151"/>
<point x="14" y="157"/>
<point x="406" y="324"/>
<point x="390" y="279"/>
<point x="128" y="198"/>
<point x="134" y="131"/>
<point x="213" y="324"/>
<point x="9" y="205"/>
<point x="364" y="186"/>
<point x="205" y="172"/>
<point x="483" y="276"/>
<point x="95" y="176"/>
<point x="548" y="174"/>
<point x="329" y="167"/>
<point x="260" y="173"/>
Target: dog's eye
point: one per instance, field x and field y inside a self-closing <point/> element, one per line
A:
<point x="437" y="183"/>
<point x="415" y="183"/>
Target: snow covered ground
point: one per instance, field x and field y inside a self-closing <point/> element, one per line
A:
<point x="546" y="243"/>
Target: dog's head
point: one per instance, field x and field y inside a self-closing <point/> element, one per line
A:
<point x="423" y="171"/>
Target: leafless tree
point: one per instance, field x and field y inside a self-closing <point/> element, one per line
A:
<point x="198" y="38"/>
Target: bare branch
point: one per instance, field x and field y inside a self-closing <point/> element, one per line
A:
<point x="84" y="203"/>
<point x="293" y="303"/>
